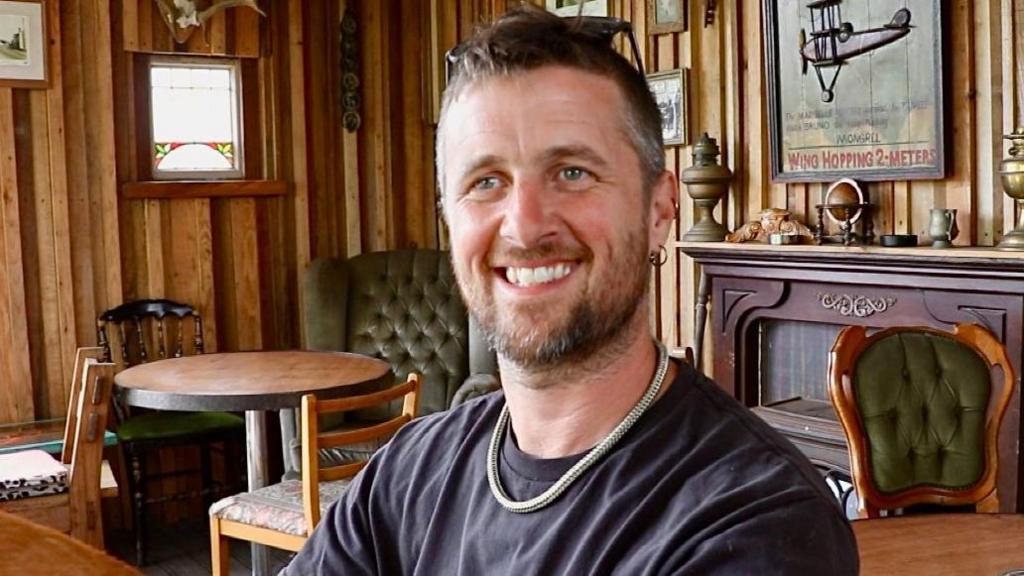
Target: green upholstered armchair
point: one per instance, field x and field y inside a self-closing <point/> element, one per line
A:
<point x="921" y="410"/>
<point x="402" y="306"/>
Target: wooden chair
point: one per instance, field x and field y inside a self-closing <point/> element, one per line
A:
<point x="921" y="410"/>
<point x="65" y="494"/>
<point x="137" y="332"/>
<point x="283" y="515"/>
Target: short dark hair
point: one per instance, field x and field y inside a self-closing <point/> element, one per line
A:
<point x="527" y="38"/>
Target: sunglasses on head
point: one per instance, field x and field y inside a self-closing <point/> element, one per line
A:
<point x="600" y="27"/>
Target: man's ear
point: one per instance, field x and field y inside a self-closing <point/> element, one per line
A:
<point x="663" y="209"/>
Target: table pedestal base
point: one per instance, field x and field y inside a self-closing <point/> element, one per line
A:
<point x="256" y="463"/>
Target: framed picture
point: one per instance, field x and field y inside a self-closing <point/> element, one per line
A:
<point x="23" y="44"/>
<point x="572" y="7"/>
<point x="669" y="90"/>
<point x="855" y="89"/>
<point x="664" y="16"/>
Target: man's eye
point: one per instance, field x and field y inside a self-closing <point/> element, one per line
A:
<point x="573" y="174"/>
<point x="486" y="183"/>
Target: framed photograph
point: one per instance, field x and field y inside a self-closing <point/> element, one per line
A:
<point x="855" y="89"/>
<point x="664" y="16"/>
<point x="23" y="44"/>
<point x="572" y="7"/>
<point x="669" y="90"/>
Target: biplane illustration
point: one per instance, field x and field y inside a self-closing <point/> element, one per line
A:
<point x="833" y="42"/>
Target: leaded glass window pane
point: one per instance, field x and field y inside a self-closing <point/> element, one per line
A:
<point x="196" y="119"/>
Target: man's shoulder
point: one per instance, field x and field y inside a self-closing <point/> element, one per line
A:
<point x="740" y="448"/>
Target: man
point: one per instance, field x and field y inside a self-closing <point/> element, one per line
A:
<point x="600" y="456"/>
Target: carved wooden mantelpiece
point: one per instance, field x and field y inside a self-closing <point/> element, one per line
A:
<point x="870" y="286"/>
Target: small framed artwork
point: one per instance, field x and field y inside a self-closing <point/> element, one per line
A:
<point x="669" y="90"/>
<point x="23" y="44"/>
<point x="572" y="7"/>
<point x="664" y="16"/>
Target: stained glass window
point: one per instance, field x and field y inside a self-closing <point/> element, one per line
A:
<point x="196" y="119"/>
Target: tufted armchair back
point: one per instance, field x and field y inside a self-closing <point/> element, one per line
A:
<point x="921" y="410"/>
<point x="402" y="306"/>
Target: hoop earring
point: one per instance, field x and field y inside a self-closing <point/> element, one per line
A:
<point x="658" y="259"/>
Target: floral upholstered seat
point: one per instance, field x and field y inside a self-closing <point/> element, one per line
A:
<point x="276" y="507"/>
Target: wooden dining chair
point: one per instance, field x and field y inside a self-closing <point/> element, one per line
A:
<point x="138" y="332"/>
<point x="921" y="409"/>
<point x="283" y="515"/>
<point x="65" y="494"/>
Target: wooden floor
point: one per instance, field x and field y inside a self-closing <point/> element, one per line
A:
<point x="184" y="550"/>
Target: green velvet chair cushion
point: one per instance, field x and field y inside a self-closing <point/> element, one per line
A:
<point x="168" y="425"/>
<point x="922" y="398"/>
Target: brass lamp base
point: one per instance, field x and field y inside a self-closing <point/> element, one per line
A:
<point x="1012" y="241"/>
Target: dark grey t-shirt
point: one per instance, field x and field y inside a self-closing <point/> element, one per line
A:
<point x="699" y="486"/>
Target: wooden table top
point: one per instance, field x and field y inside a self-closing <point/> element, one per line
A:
<point x="939" y="544"/>
<point x="265" y="380"/>
<point x="30" y="549"/>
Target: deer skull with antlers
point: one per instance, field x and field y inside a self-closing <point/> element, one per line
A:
<point x="182" y="17"/>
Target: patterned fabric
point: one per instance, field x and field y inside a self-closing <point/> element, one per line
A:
<point x="277" y="507"/>
<point x="31" y="473"/>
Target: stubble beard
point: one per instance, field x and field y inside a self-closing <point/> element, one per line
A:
<point x="593" y="324"/>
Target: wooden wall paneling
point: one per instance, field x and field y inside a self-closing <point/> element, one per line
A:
<point x="130" y="24"/>
<point x="237" y="274"/>
<point x="16" y="403"/>
<point x="987" y="209"/>
<point x="297" y="145"/>
<point x="413" y="208"/>
<point x="883" y="196"/>
<point x="62" y="323"/>
<point x="754" y="175"/>
<point x="76" y="150"/>
<point x="215" y="34"/>
<point x="959" y="187"/>
<point x="376" y="146"/>
<point x="321" y="103"/>
<point x="99" y="130"/>
<point x="39" y="256"/>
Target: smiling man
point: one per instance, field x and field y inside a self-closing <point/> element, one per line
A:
<point x="600" y="455"/>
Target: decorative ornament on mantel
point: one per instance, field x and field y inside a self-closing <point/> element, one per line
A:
<point x="182" y="17"/>
<point x="706" y="182"/>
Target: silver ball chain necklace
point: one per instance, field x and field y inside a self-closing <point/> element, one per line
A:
<point x="577" y="470"/>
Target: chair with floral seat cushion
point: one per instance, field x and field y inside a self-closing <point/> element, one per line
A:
<point x="140" y="331"/>
<point x="921" y="410"/>
<point x="283" y="515"/>
<point x="65" y="494"/>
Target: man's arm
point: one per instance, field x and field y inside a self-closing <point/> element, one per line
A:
<point x="801" y="537"/>
<point x="343" y="542"/>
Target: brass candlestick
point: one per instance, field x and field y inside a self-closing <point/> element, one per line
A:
<point x="706" y="182"/>
<point x="1011" y="171"/>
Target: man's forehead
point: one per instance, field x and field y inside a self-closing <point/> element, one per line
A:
<point x="550" y="102"/>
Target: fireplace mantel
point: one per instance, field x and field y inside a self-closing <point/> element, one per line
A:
<point x="749" y="284"/>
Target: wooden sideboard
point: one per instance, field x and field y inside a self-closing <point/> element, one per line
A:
<point x="774" y="309"/>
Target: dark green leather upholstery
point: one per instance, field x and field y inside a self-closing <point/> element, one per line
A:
<point x="922" y="398"/>
<point x="402" y="306"/>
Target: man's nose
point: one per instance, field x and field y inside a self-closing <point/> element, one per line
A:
<point x="529" y="217"/>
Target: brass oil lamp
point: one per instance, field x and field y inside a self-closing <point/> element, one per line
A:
<point x="706" y="182"/>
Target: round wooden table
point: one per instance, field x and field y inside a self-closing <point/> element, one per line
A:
<point x="938" y="544"/>
<point x="253" y="382"/>
<point x="30" y="549"/>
